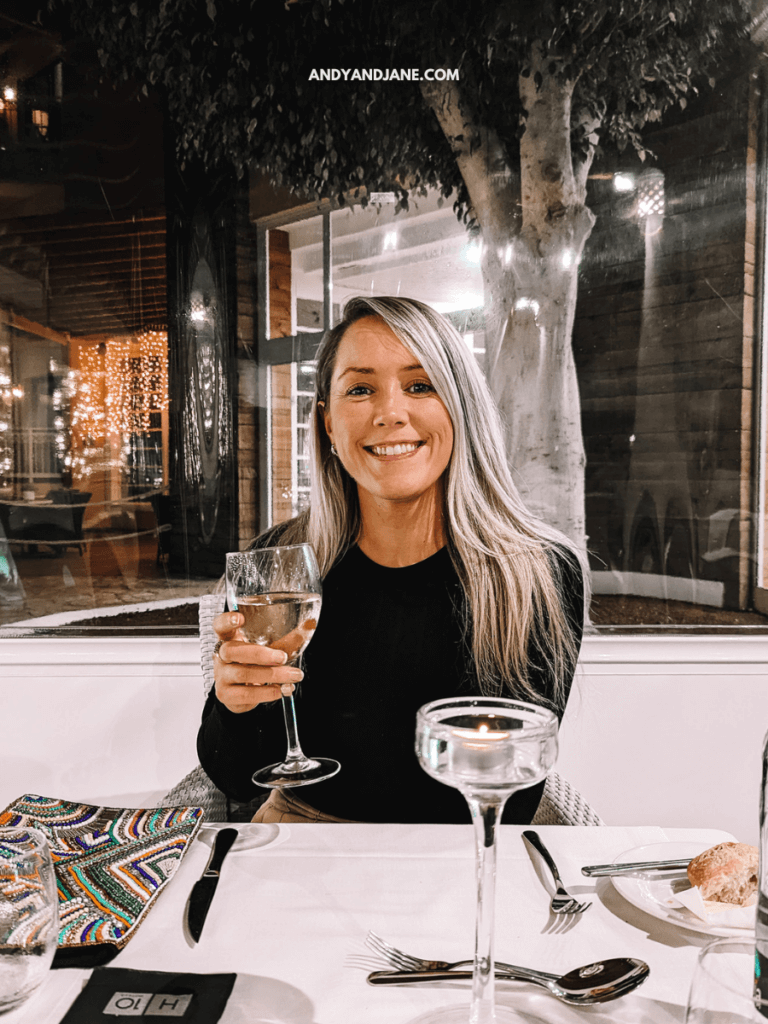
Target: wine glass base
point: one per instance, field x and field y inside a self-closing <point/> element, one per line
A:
<point x="302" y="772"/>
<point x="13" y="1002"/>
<point x="462" y="1014"/>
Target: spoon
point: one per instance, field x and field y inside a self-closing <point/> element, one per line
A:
<point x="593" y="983"/>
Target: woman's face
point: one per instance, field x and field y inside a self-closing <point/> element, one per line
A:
<point x="391" y="430"/>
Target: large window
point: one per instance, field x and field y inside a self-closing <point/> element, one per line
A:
<point x="158" y="336"/>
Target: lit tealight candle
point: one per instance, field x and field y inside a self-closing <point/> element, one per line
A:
<point x="479" y="751"/>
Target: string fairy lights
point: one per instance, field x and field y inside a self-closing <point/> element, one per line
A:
<point x="120" y="385"/>
<point x="8" y="393"/>
<point x="153" y="348"/>
<point x="136" y="375"/>
<point x="88" y="412"/>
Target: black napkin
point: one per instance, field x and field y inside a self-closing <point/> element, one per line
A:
<point x="114" y="993"/>
<point x="84" y="957"/>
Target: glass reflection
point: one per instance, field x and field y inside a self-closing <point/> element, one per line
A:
<point x="206" y="425"/>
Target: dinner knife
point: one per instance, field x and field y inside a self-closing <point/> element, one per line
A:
<point x="204" y="888"/>
<point x="600" y="870"/>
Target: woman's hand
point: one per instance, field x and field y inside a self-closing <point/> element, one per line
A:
<point x="248" y="674"/>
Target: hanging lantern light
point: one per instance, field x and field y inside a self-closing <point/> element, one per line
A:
<point x="650" y="193"/>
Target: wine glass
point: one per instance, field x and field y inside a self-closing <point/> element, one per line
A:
<point x="488" y="748"/>
<point x="278" y="593"/>
<point x="29" y="914"/>
<point x="722" y="989"/>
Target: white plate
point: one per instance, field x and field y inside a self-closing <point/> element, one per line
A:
<point x="655" y="893"/>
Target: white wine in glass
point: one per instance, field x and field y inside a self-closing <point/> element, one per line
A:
<point x="488" y="748"/>
<point x="278" y="593"/>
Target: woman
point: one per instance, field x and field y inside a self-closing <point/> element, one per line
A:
<point x="437" y="581"/>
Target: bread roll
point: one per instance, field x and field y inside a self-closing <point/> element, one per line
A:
<point x="726" y="873"/>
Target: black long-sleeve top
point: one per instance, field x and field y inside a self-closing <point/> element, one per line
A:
<point x="388" y="641"/>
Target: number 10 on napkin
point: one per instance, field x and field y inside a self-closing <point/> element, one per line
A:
<point x="113" y="994"/>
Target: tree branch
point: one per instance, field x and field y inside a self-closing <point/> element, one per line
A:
<point x="590" y="125"/>
<point x="553" y="191"/>
<point x="479" y="156"/>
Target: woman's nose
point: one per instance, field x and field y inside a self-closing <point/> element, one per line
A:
<point x="391" y="407"/>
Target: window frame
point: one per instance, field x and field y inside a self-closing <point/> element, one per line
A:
<point x="276" y="351"/>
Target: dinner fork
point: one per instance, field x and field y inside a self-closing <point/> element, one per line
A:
<point x="403" y="961"/>
<point x="562" y="902"/>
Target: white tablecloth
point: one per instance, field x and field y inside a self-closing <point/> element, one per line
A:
<point x="287" y="916"/>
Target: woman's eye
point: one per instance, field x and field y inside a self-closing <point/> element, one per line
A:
<point x="421" y="387"/>
<point x="359" y="389"/>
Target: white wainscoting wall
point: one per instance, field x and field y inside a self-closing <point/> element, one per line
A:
<point x="659" y="730"/>
<point x="669" y="730"/>
<point x="110" y="719"/>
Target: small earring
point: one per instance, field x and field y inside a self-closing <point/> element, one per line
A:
<point x="333" y="450"/>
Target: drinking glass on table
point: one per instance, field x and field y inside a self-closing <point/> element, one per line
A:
<point x="278" y="593"/>
<point x="488" y="748"/>
<point x="722" y="989"/>
<point x="29" y="914"/>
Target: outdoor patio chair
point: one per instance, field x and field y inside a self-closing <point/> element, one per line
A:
<point x="57" y="526"/>
<point x="197" y="790"/>
<point x="560" y="804"/>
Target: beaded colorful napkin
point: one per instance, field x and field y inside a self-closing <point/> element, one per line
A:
<point x="111" y="865"/>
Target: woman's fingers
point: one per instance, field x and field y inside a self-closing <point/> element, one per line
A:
<point x="250" y="674"/>
<point x="227" y="625"/>
<point x="240" y="698"/>
<point x="250" y="654"/>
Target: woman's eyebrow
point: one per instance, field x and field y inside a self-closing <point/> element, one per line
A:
<point x="356" y="369"/>
<point x="369" y="370"/>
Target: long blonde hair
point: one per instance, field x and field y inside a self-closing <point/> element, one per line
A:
<point x="498" y="548"/>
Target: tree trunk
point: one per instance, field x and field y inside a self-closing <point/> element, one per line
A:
<point x="532" y="375"/>
<point x="532" y="243"/>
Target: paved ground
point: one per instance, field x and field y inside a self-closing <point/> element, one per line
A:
<point x="102" y="576"/>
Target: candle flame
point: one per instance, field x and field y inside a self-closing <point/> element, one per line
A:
<point x="482" y="735"/>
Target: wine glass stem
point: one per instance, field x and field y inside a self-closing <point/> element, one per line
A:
<point x="485" y="817"/>
<point x="294" y="752"/>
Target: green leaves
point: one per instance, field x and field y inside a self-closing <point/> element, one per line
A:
<point x="240" y="93"/>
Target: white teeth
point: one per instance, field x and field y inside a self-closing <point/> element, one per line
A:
<point x="393" y="449"/>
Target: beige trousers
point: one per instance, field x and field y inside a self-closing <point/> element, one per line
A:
<point x="282" y="805"/>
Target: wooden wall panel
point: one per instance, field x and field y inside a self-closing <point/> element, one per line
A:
<point x="279" y="285"/>
<point x="282" y="498"/>
<point x="280" y="376"/>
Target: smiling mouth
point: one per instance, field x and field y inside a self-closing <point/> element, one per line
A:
<point x="385" y="450"/>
